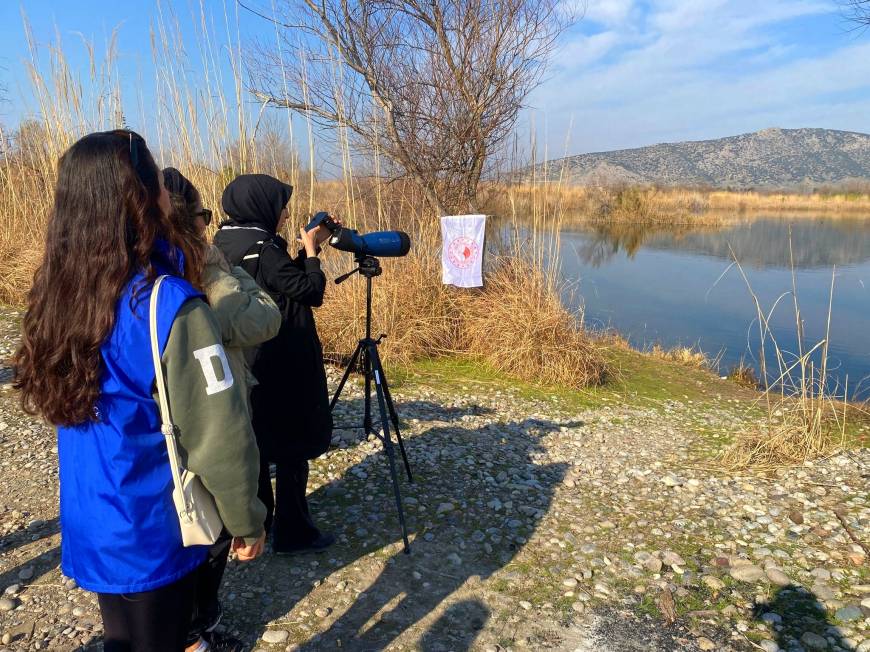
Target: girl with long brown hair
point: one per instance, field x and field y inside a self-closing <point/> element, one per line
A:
<point x="84" y="364"/>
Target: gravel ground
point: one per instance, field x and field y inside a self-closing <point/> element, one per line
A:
<point x="534" y="526"/>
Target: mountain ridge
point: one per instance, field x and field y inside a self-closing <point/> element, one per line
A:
<point x="770" y="158"/>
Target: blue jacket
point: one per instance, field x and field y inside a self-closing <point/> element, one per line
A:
<point x="118" y="522"/>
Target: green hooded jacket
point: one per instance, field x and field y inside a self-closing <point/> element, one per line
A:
<point x="246" y="314"/>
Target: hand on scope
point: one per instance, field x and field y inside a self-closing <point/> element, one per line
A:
<point x="309" y="240"/>
<point x="322" y="235"/>
<point x="248" y="553"/>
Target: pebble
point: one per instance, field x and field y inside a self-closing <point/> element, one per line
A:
<point x="653" y="564"/>
<point x="525" y="604"/>
<point x="26" y="573"/>
<point x="823" y="592"/>
<point x="813" y="642"/>
<point x="8" y="604"/>
<point x="769" y="646"/>
<point x="443" y="508"/>
<point x="771" y="618"/>
<point x="672" y="559"/>
<point x="777" y="577"/>
<point x="12" y="589"/>
<point x="849" y="613"/>
<point x="322" y="612"/>
<point x="821" y="573"/>
<point x="705" y="643"/>
<point x="6" y="639"/>
<point x="275" y="636"/>
<point x="747" y="573"/>
<point x="714" y="583"/>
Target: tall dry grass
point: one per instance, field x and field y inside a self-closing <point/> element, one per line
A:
<point x="804" y="410"/>
<point x="645" y="205"/>
<point x="519" y="327"/>
<point x="206" y="127"/>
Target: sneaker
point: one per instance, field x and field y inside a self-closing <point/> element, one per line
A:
<point x="213" y="619"/>
<point x="205" y="622"/>
<point x="223" y="643"/>
<point x="320" y="544"/>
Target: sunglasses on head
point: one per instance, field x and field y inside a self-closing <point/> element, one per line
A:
<point x="135" y="140"/>
<point x="205" y="214"/>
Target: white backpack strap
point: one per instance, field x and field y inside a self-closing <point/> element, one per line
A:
<point x="167" y="427"/>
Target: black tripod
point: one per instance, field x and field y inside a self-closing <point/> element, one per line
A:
<point x="367" y="353"/>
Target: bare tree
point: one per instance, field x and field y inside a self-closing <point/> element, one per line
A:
<point x="859" y="11"/>
<point x="434" y="87"/>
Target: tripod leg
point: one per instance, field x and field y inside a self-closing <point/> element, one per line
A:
<point x="394" y="416"/>
<point x="388" y="446"/>
<point x="344" y="378"/>
<point x="367" y="372"/>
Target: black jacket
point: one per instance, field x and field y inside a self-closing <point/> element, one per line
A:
<point x="290" y="404"/>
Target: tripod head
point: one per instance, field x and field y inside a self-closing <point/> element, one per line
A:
<point x="367" y="266"/>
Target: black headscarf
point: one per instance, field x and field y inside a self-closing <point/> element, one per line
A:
<point x="256" y="200"/>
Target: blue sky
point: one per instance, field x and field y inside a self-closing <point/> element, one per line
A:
<point x="635" y="72"/>
<point x="630" y="73"/>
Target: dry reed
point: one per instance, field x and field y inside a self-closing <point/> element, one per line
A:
<point x="691" y="356"/>
<point x="644" y="205"/>
<point x="517" y="322"/>
<point x="804" y="416"/>
<point x="744" y="375"/>
<point x="519" y="326"/>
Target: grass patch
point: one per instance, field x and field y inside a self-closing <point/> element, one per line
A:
<point x="637" y="379"/>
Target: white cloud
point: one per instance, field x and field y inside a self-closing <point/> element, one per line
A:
<point x="677" y="69"/>
<point x="586" y="50"/>
<point x="607" y="12"/>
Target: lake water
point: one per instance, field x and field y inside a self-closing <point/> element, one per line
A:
<point x="679" y="287"/>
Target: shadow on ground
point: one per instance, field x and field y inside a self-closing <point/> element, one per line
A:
<point x="479" y="495"/>
<point x="798" y="616"/>
<point x="40" y="564"/>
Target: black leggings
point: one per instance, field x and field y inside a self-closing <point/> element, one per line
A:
<point x="151" y="621"/>
<point x="206" y="605"/>
<point x="293" y="526"/>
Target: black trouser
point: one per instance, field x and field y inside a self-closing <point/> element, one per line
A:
<point x="151" y="621"/>
<point x="206" y="606"/>
<point x="288" y="508"/>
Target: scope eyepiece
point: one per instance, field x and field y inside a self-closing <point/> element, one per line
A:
<point x="323" y="219"/>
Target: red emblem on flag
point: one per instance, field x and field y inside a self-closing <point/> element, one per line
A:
<point x="462" y="252"/>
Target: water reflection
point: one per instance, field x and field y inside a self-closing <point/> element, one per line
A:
<point x="602" y="242"/>
<point x="760" y="243"/>
<point x="674" y="286"/>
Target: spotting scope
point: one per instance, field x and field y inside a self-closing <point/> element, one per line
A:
<point x="385" y="244"/>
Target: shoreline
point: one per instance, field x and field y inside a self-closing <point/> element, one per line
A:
<point x="680" y="207"/>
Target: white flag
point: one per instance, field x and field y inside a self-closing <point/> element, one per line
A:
<point x="462" y="250"/>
